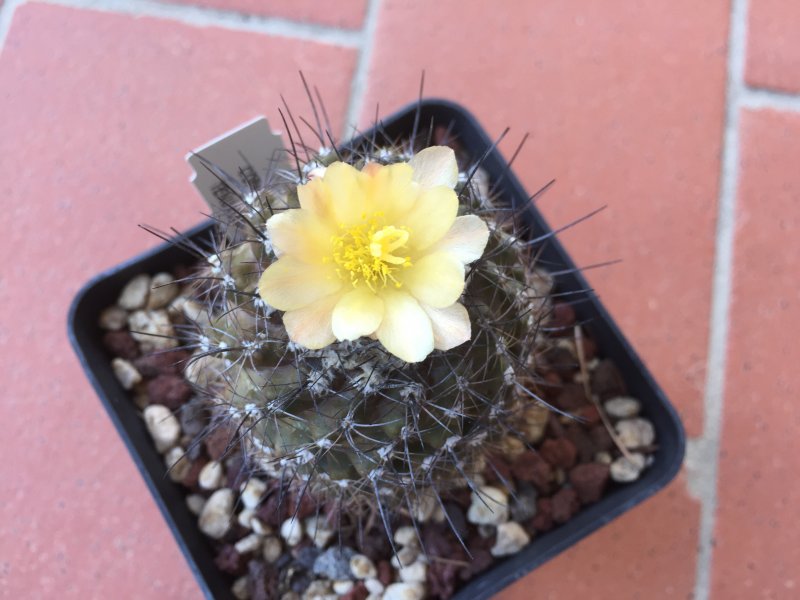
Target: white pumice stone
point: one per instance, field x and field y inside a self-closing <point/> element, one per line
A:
<point x="404" y="591"/>
<point x="404" y="557"/>
<point x="511" y="538"/>
<point x="622" y="407"/>
<point x="195" y="503"/>
<point x="374" y="586"/>
<point x="113" y="318"/>
<point x="252" y="492"/>
<point x="249" y="543"/>
<point x="162" y="425"/>
<point x="406" y="536"/>
<point x="258" y="526"/>
<point x="319" y="531"/>
<point x="134" y="294"/>
<point x="126" y="373"/>
<point x="292" y="531"/>
<point x="603" y="457"/>
<point x="623" y="470"/>
<point x="152" y="329"/>
<point x="636" y="433"/>
<point x="362" y="567"/>
<point x="215" y="520"/>
<point x="342" y="587"/>
<point x="244" y="517"/>
<point x="177" y="464"/>
<point x="319" y="590"/>
<point x="414" y="573"/>
<point x="211" y="475"/>
<point x="241" y="588"/>
<point x="162" y="291"/>
<point x="489" y="506"/>
<point x="272" y="549"/>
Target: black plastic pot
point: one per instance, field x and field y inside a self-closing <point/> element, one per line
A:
<point x="103" y="291"/>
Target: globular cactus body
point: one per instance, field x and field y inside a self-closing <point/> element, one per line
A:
<point x="351" y="420"/>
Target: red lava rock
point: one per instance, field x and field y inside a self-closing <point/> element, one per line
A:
<point x="235" y="472"/>
<point x="606" y="381"/>
<point x="589" y="481"/>
<point x="582" y="441"/>
<point x="482" y="559"/>
<point x="170" y="390"/>
<point x="559" y="452"/>
<point x="571" y="398"/>
<point x="565" y="505"/>
<point x="385" y="572"/>
<point x="228" y="560"/>
<point x="304" y="506"/>
<point x="121" y="344"/>
<point x="442" y="577"/>
<point x="161" y="363"/>
<point x="562" y="319"/>
<point x="601" y="438"/>
<point x="220" y="440"/>
<point x="275" y="509"/>
<point x="262" y="580"/>
<point x="543" y="521"/>
<point x="589" y="414"/>
<point x="550" y="385"/>
<point x="358" y="592"/>
<point x="497" y="469"/>
<point x="561" y="361"/>
<point x="529" y="466"/>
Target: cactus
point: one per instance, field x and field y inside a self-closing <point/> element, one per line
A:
<point x="352" y="421"/>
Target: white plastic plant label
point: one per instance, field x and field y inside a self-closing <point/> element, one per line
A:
<point x="235" y="163"/>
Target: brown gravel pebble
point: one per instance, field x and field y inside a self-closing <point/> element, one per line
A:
<point x="543" y="521"/>
<point x="497" y="469"/>
<point x="482" y="559"/>
<point x="218" y="440"/>
<point x="235" y="473"/>
<point x="606" y="381"/>
<point x="385" y="572"/>
<point x="565" y="505"/>
<point x="304" y="506"/>
<point x="121" y="344"/>
<point x="358" y="592"/>
<point x="263" y="581"/>
<point x="582" y="441"/>
<point x="601" y="438"/>
<point x="442" y="578"/>
<point x="559" y="452"/>
<point x="562" y="319"/>
<point x="170" y="390"/>
<point x="274" y="510"/>
<point x="530" y="466"/>
<point x="228" y="560"/>
<point x="571" y="398"/>
<point x="161" y="363"/>
<point x="589" y="481"/>
<point x="561" y="361"/>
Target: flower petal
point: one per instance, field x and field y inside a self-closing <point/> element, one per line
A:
<point x="405" y="330"/>
<point x="300" y="233"/>
<point x="310" y="326"/>
<point x="431" y="217"/>
<point x="436" y="279"/>
<point x="466" y="239"/>
<point x="357" y="313"/>
<point x="390" y="190"/>
<point x="435" y="166"/>
<point x="451" y="325"/>
<point x="346" y="187"/>
<point x="289" y="284"/>
<point x="315" y="197"/>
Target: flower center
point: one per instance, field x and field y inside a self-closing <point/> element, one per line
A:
<point x="368" y="253"/>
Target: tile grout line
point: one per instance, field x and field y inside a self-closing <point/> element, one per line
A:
<point x="757" y="98"/>
<point x="208" y="17"/>
<point x="358" y="84"/>
<point x="703" y="453"/>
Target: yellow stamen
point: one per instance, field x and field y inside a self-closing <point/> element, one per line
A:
<point x="365" y="253"/>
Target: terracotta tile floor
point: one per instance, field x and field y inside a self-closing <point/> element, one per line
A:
<point x="679" y="115"/>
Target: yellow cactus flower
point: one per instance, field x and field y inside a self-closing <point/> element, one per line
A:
<point x="379" y="252"/>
